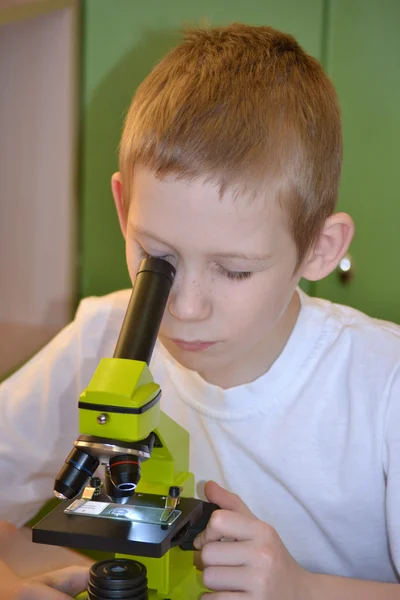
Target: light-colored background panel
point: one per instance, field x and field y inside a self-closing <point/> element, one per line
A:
<point x="37" y="172"/>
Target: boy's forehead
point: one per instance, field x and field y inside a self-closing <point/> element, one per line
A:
<point x="202" y="195"/>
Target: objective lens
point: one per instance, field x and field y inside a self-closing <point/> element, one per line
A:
<point x="77" y="469"/>
<point x="118" y="579"/>
<point x="125" y="472"/>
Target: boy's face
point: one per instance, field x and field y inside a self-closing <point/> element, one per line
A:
<point x="233" y="303"/>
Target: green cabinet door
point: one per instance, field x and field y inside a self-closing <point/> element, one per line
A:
<point x="122" y="40"/>
<point x="363" y="59"/>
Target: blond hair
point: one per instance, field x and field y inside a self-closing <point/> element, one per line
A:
<point x="246" y="107"/>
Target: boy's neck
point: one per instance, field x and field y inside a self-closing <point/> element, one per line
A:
<point x="264" y="357"/>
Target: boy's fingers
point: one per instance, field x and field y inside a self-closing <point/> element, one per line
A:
<point x="70" y="581"/>
<point x="232" y="521"/>
<point x="228" y="554"/>
<point x="226" y="524"/>
<point x="224" y="499"/>
<point x="37" y="591"/>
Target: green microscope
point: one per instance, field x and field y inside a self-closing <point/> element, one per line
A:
<point x="126" y="487"/>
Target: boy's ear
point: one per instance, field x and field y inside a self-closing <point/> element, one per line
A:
<point x="116" y="187"/>
<point x="330" y="248"/>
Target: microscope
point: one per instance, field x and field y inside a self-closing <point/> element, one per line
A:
<point x="125" y="487"/>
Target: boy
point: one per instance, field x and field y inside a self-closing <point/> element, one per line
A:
<point x="229" y="168"/>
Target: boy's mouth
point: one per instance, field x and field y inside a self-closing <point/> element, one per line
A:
<point x="195" y="346"/>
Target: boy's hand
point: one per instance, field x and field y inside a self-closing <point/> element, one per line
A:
<point x="31" y="571"/>
<point x="56" y="585"/>
<point x="254" y="564"/>
<point x="63" y="584"/>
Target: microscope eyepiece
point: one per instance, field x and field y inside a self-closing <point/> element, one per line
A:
<point x="145" y="310"/>
<point x="77" y="469"/>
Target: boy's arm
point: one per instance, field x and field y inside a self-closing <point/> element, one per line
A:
<point x="35" y="572"/>
<point x="26" y="559"/>
<point x="39" y="407"/>
<point x="57" y="585"/>
<point x="38" y="422"/>
<point x="329" y="587"/>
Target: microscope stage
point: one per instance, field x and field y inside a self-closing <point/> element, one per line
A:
<point x="120" y="535"/>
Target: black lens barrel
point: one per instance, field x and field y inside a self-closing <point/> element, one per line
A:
<point x="77" y="469"/>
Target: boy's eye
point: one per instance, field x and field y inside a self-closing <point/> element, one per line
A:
<point x="144" y="254"/>
<point x="232" y="275"/>
<point x="235" y="275"/>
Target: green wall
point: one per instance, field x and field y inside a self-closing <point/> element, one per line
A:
<point x="363" y="59"/>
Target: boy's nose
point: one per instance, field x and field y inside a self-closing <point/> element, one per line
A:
<point x="188" y="301"/>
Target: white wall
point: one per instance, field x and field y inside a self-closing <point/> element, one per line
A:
<point x="37" y="187"/>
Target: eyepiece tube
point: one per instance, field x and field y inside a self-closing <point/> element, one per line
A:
<point x="145" y="310"/>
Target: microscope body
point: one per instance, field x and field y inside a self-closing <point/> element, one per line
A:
<point x="126" y="486"/>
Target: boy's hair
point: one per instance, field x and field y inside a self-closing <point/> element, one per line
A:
<point x="247" y="108"/>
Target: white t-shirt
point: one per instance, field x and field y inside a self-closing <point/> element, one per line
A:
<point x="312" y="446"/>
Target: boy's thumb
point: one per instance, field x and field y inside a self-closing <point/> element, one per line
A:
<point x="224" y="499"/>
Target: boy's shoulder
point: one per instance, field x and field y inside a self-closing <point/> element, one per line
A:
<point x="356" y="332"/>
<point x="99" y="319"/>
<point x="92" y="307"/>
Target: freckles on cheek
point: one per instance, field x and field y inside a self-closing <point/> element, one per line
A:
<point x="260" y="308"/>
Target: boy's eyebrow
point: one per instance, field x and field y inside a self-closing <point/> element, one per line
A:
<point x="145" y="233"/>
<point x="237" y="255"/>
